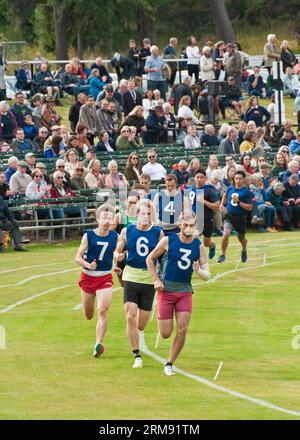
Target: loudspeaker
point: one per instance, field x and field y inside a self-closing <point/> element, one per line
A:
<point x="216" y="88"/>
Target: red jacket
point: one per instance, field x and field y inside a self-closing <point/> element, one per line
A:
<point x="54" y="193"/>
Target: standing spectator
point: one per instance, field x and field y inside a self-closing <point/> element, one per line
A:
<point x="169" y="52"/>
<point x="287" y="56"/>
<point x="94" y="177"/>
<point x="144" y="53"/>
<point x="75" y="109"/>
<point x="292" y="196"/>
<point x="230" y="144"/>
<point x="233" y="63"/>
<point x="125" y="67"/>
<point x="2" y="73"/>
<point x="256" y="112"/>
<point x="181" y="172"/>
<point x="11" y="169"/>
<point x="104" y="118"/>
<point x="133" y="53"/>
<point x="155" y="170"/>
<point x="8" y="123"/>
<point x="192" y="140"/>
<point x="130" y="99"/>
<point x="148" y="102"/>
<point x="20" y="110"/>
<point x="133" y="169"/>
<point x="270" y="53"/>
<point x="207" y="65"/>
<point x="193" y="54"/>
<point x="154" y="67"/>
<point x="156" y="130"/>
<point x="88" y="117"/>
<point x="183" y="89"/>
<point x="115" y="179"/>
<point x="10" y="224"/>
<point x="218" y="56"/>
<point x="20" y="144"/>
<point x="256" y="84"/>
<point x="20" y="180"/>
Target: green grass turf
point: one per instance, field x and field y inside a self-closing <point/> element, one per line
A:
<point x="244" y="319"/>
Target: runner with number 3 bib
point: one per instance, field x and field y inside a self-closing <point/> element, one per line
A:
<point x="138" y="240"/>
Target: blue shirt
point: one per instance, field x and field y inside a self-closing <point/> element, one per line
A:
<point x="8" y="173"/>
<point x="152" y="62"/>
<point x="245" y="196"/>
<point x="139" y="244"/>
<point x="101" y="249"/>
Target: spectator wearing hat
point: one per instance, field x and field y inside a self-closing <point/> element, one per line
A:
<point x="30" y="160"/>
<point x="75" y="109"/>
<point x="10" y="224"/>
<point x="8" y="123"/>
<point x="156" y="130"/>
<point x="20" y="144"/>
<point x="264" y="172"/>
<point x="282" y="206"/>
<point x="11" y="169"/>
<point x="42" y="169"/>
<point x="20" y="179"/>
<point x="154" y="68"/>
<point x="20" y="110"/>
<point x="24" y="77"/>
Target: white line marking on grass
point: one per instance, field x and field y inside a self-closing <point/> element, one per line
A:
<point x="218" y="371"/>
<point x="23" y="301"/>
<point x="260" y="402"/>
<point x="19" y="269"/>
<point x="79" y="306"/>
<point x="157" y="340"/>
<point x="34" y="277"/>
<point x="264" y="259"/>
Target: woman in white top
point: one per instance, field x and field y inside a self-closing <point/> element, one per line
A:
<point x="94" y="178"/>
<point x="213" y="164"/>
<point x="148" y="102"/>
<point x="207" y="65"/>
<point x="185" y="111"/>
<point x="192" y="140"/>
<point x="71" y="160"/>
<point x="194" y="56"/>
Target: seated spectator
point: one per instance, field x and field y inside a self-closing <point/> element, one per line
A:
<point x="295" y="145"/>
<point x="104" y="117"/>
<point x="181" y="172"/>
<point x="29" y="128"/>
<point x="169" y="122"/>
<point x="249" y="142"/>
<point x="185" y="111"/>
<point x="5" y="191"/>
<point x="155" y="170"/>
<point x="55" y="148"/>
<point x="230" y="144"/>
<point x="96" y="83"/>
<point x="20" y="144"/>
<point x="251" y="125"/>
<point x="288" y="125"/>
<point x="20" y="180"/>
<point x="228" y="180"/>
<point x="181" y="132"/>
<point x="78" y="178"/>
<point x="192" y="140"/>
<point x="287" y="137"/>
<point x="242" y="128"/>
<point x="271" y="108"/>
<point x="103" y="72"/>
<point x="39" y="140"/>
<point x="38" y="188"/>
<point x="60" y="190"/>
<point x="60" y="165"/>
<point x="94" y="178"/>
<point x="291" y="83"/>
<point x="46" y="83"/>
<point x="133" y="169"/>
<point x="41" y="167"/>
<point x="256" y="112"/>
<point x="156" y="130"/>
<point x="213" y="164"/>
<point x="73" y="84"/>
<point x="8" y="123"/>
<point x="11" y="169"/>
<point x="271" y="136"/>
<point x="115" y="119"/>
<point x="262" y="207"/>
<point x="136" y="118"/>
<point x="292" y="195"/>
<point x="209" y="138"/>
<point x="283" y="210"/>
<point x="264" y="172"/>
<point x="255" y="83"/>
<point x="234" y="97"/>
<point x="71" y="160"/>
<point x="20" y="109"/>
<point x="148" y="102"/>
<point x="115" y="179"/>
<point x="24" y="77"/>
<point x="297" y="108"/>
<point x="134" y="136"/>
<point x="76" y="68"/>
<point x="279" y="165"/>
<point x="246" y="164"/>
<point x="75" y="109"/>
<point x="83" y="142"/>
<point x="229" y="161"/>
<point x="110" y="95"/>
<point x="10" y="224"/>
<point x="292" y="168"/>
<point x="105" y="143"/>
<point x="88" y="117"/>
<point x="49" y="115"/>
<point x="261" y="143"/>
<point x="124" y="141"/>
<point x="30" y="160"/>
<point x="37" y="108"/>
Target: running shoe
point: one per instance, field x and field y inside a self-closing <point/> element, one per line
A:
<point x="212" y="252"/>
<point x="98" y="350"/>
<point x="244" y="256"/>
<point x="168" y="370"/>
<point x="138" y="363"/>
<point x="221" y="258"/>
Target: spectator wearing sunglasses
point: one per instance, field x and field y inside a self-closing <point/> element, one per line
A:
<point x="124" y="142"/>
<point x="155" y="170"/>
<point x="78" y="177"/>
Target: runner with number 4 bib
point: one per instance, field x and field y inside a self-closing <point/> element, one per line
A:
<point x="182" y="255"/>
<point x="95" y="256"/>
<point x="138" y="240"/>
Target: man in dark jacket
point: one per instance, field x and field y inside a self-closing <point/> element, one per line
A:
<point x="130" y="99"/>
<point x="20" y="110"/>
<point x="156" y="131"/>
<point x="8" y="223"/>
<point x="230" y="144"/>
<point x="183" y="89"/>
<point x="75" y="109"/>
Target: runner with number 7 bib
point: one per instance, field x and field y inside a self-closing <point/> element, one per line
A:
<point x="182" y="255"/>
<point x="138" y="240"/>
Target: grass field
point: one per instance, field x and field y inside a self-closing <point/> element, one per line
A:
<point x="244" y="317"/>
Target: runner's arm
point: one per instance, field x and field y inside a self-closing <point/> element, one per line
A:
<point x="223" y="203"/>
<point x="201" y="267"/>
<point x="246" y="206"/>
<point x="160" y="249"/>
<point x="80" y="253"/>
<point x="119" y="255"/>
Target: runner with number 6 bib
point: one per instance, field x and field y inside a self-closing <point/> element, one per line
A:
<point x="182" y="255"/>
<point x="138" y="240"/>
